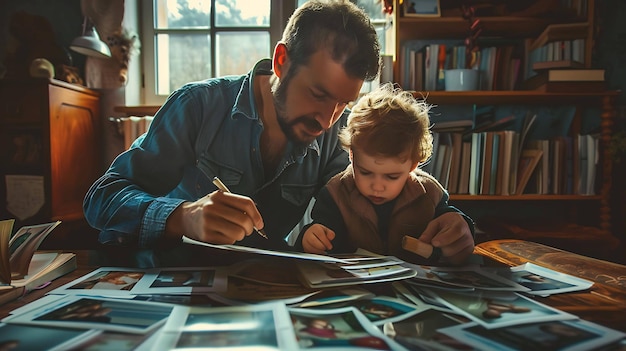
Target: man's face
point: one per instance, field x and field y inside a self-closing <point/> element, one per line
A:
<point x="311" y="99"/>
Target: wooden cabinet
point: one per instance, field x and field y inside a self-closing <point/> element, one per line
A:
<point x="586" y="210"/>
<point x="51" y="150"/>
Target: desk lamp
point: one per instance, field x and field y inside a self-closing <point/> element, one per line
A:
<point x="89" y="43"/>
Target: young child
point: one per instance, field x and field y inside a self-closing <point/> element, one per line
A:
<point x="382" y="195"/>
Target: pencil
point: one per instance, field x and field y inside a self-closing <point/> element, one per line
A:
<point x="218" y="183"/>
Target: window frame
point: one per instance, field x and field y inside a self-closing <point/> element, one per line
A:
<point x="279" y="14"/>
<point x="280" y="10"/>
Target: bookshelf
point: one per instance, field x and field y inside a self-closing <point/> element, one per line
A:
<point x="534" y="30"/>
<point x="452" y="26"/>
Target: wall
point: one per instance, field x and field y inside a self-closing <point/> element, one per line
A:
<point x="66" y="18"/>
<point x="64" y="15"/>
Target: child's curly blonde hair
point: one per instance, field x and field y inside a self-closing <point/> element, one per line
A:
<point x="390" y="122"/>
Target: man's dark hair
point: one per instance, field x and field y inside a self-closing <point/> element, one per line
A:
<point x="341" y="27"/>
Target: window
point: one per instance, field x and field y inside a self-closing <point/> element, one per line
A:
<point x="194" y="40"/>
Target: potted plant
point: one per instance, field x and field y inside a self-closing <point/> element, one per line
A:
<point x="467" y="78"/>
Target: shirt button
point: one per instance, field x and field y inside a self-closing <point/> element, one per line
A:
<point x="253" y="150"/>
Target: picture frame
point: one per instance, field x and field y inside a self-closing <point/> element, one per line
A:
<point x="421" y="8"/>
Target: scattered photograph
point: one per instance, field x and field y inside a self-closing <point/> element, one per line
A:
<point x="420" y="331"/>
<point x="544" y="281"/>
<point x="182" y="280"/>
<point x="378" y="310"/>
<point x="260" y="326"/>
<point x="246" y="291"/>
<point x="370" y="262"/>
<point x="110" y="280"/>
<point x="575" y="335"/>
<point x="20" y="337"/>
<point x="492" y="311"/>
<point x="321" y="275"/>
<point x="104" y="281"/>
<point x="128" y="316"/>
<point x="108" y="341"/>
<point x="264" y="271"/>
<point x="338" y="329"/>
<point x="468" y="277"/>
<point x="332" y="296"/>
<point x="205" y="300"/>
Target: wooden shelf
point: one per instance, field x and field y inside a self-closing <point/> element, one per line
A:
<point x="529" y="197"/>
<point x="526" y="97"/>
<point x="456" y="27"/>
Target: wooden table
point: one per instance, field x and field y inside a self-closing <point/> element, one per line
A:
<point x="604" y="303"/>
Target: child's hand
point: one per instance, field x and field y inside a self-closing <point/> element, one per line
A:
<point x="317" y="239"/>
<point x="451" y="233"/>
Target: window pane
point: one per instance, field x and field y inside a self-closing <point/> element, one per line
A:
<point x="181" y="58"/>
<point x="242" y="13"/>
<point x="237" y="52"/>
<point x="373" y="8"/>
<point x="182" y="14"/>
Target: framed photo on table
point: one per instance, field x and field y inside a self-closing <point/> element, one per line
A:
<point x="421" y="8"/>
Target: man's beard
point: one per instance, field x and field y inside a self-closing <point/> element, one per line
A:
<point x="280" y="97"/>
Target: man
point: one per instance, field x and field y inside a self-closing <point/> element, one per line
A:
<point x="270" y="136"/>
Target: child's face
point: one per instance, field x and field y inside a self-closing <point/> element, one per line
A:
<point x="380" y="179"/>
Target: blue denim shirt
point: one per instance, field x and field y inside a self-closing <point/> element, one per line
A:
<point x="206" y="129"/>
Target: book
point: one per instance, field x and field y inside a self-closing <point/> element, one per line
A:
<point x="455" y="162"/>
<point x="560" y="31"/>
<point x="452" y="126"/>
<point x="464" y="172"/>
<point x="527" y="163"/>
<point x="567" y="80"/>
<point x="478" y="142"/>
<point x="506" y="142"/>
<point x="560" y="64"/>
<point x="571" y="87"/>
<point x="24" y="267"/>
<point x="46" y="266"/>
<point x="493" y="125"/>
<point x="485" y="172"/>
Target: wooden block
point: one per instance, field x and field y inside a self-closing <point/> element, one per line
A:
<point x="416" y="246"/>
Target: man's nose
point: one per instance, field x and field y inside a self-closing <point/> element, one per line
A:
<point x="334" y="112"/>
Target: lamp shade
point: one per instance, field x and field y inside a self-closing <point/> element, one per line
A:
<point x="90" y="44"/>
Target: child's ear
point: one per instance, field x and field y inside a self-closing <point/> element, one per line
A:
<point x="350" y="154"/>
<point x="414" y="166"/>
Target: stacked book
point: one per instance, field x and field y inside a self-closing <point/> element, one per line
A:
<point x="581" y="80"/>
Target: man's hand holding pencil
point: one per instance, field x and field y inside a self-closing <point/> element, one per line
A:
<point x="220" y="217"/>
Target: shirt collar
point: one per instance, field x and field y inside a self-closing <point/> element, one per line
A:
<point x="244" y="103"/>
